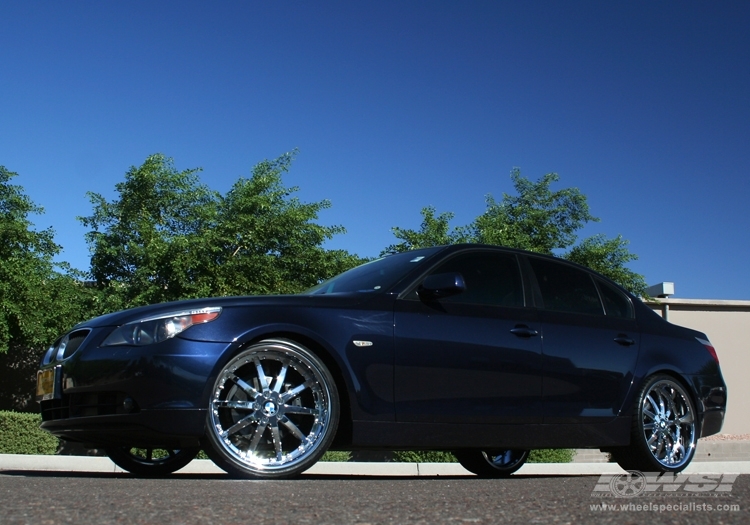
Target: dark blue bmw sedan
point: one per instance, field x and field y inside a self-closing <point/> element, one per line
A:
<point x="485" y="351"/>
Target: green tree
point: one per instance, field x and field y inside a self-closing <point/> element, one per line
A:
<point x="25" y="264"/>
<point x="267" y="242"/>
<point x="141" y="243"/>
<point x="434" y="231"/>
<point x="167" y="236"/>
<point x="537" y="219"/>
<point x="609" y="257"/>
<point x="37" y="301"/>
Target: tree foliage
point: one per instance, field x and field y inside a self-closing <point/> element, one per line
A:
<point x="434" y="231"/>
<point x="139" y="242"/>
<point x="35" y="299"/>
<point x="537" y="219"/>
<point x="38" y="299"/>
<point x="167" y="236"/>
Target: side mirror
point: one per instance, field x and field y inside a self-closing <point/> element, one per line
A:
<point x="441" y="285"/>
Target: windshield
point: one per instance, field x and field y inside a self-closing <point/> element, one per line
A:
<point x="375" y="276"/>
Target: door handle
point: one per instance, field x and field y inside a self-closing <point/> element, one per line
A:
<point x="624" y="340"/>
<point x="524" y="331"/>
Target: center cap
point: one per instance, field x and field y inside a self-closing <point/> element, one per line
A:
<point x="270" y="408"/>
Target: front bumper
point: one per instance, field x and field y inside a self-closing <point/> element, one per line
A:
<point x="170" y="428"/>
<point x="150" y="396"/>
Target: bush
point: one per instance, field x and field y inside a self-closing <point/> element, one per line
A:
<point x="552" y="455"/>
<point x="337" y="455"/>
<point x="426" y="456"/>
<point x="549" y="455"/>
<point x="20" y="434"/>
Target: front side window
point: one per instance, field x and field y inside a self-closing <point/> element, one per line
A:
<point x="491" y="279"/>
<point x="565" y="288"/>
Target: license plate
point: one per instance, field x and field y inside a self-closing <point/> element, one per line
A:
<point x="46" y="384"/>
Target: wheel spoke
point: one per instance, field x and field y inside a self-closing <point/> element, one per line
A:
<point x="275" y="435"/>
<point x="242" y="423"/>
<point x="654" y="404"/>
<point x="234" y="405"/>
<point x="659" y="445"/>
<point x="669" y="396"/>
<point x="253" y="446"/>
<point x="662" y="408"/>
<point x="280" y="378"/>
<point x="249" y="390"/>
<point x="291" y="394"/>
<point x="686" y="419"/>
<point x="291" y="427"/>
<point x="306" y="411"/>
<point x="261" y="374"/>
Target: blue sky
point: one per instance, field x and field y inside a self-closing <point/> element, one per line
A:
<point x="397" y="105"/>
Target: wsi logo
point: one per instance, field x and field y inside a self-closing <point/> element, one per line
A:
<point x="635" y="483"/>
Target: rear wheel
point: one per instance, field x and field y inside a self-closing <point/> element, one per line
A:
<point x="151" y="462"/>
<point x="492" y="463"/>
<point x="273" y="411"/>
<point x="663" y="435"/>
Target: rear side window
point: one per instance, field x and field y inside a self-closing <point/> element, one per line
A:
<point x="565" y="288"/>
<point x="616" y="303"/>
<point x="491" y="279"/>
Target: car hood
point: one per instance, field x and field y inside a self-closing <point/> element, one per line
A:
<point x="134" y="314"/>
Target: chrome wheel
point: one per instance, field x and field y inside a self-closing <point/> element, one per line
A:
<point x="273" y="411"/>
<point x="663" y="434"/>
<point x="668" y="423"/>
<point x="151" y="462"/>
<point x="492" y="463"/>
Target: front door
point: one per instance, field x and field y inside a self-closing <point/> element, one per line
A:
<point x="474" y="357"/>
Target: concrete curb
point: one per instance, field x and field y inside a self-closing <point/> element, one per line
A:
<point x="90" y="464"/>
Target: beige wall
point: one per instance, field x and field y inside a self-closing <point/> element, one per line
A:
<point x="725" y="323"/>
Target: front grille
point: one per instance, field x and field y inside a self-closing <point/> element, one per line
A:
<point x="66" y="346"/>
<point x="85" y="405"/>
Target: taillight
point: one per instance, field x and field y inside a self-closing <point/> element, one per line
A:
<point x="710" y="348"/>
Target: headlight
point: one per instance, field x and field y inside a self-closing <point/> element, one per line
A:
<point x="160" y="328"/>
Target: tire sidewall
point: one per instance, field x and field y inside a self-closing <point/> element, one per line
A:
<point x="121" y="457"/>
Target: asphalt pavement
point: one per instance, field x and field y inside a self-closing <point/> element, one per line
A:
<point x="411" y="496"/>
<point x="92" y="464"/>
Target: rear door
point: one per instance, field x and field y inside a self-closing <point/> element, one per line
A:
<point x="590" y="344"/>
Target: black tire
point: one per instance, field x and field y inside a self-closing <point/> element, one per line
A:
<point x="663" y="435"/>
<point x="150" y="462"/>
<point x="491" y="463"/>
<point x="273" y="411"/>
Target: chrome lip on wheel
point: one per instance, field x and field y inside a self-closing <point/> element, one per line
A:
<point x="668" y="424"/>
<point x="270" y="409"/>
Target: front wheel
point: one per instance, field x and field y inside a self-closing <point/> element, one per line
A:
<point x="273" y="411"/>
<point x="663" y="435"/>
<point x="491" y="463"/>
<point x="151" y="462"/>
